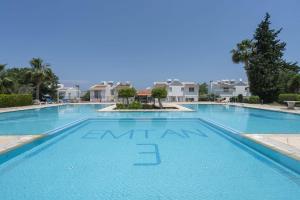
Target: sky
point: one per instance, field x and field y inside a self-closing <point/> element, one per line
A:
<point x="142" y="41"/>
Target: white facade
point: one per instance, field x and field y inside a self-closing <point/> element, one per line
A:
<point x="106" y="91"/>
<point x="102" y="92"/>
<point x="229" y="88"/>
<point x="180" y="91"/>
<point x="68" y="93"/>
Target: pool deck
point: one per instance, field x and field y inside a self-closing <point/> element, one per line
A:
<point x="288" y="144"/>
<point x="10" y="142"/>
<point x="12" y="109"/>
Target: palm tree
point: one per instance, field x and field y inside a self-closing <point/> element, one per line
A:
<point x="39" y="73"/>
<point x="5" y="82"/>
<point x="242" y="53"/>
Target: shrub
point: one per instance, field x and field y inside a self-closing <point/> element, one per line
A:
<point x="254" y="99"/>
<point x="120" y="106"/>
<point x="212" y="97"/>
<point x="288" y="97"/>
<point x="233" y="99"/>
<point x="12" y="100"/>
<point x="135" y="105"/>
<point x="203" y="97"/>
<point x="147" y="106"/>
<point x="246" y="100"/>
<point x="86" y="96"/>
<point x="240" y="98"/>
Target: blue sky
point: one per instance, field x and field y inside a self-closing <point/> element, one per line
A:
<point x="139" y="40"/>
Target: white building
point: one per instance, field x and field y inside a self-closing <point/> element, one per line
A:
<point x="107" y="91"/>
<point x="229" y="88"/>
<point x="180" y="91"/>
<point x="102" y="92"/>
<point x="68" y="93"/>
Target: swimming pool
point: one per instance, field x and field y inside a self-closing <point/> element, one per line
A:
<point x="146" y="155"/>
<point x="244" y="120"/>
<point x="145" y="159"/>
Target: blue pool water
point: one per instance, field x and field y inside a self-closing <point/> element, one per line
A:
<point x="146" y="155"/>
<point x="241" y="119"/>
<point x="145" y="159"/>
<point x="37" y="121"/>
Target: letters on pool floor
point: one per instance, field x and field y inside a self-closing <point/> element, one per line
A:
<point x="144" y="133"/>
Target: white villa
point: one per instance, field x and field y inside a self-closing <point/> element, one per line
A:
<point x="106" y="91"/>
<point x="68" y="93"/>
<point x="180" y="91"/>
<point x="229" y="88"/>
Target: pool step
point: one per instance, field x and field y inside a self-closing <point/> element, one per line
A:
<point x="284" y="159"/>
<point x="288" y="144"/>
<point x="10" y="142"/>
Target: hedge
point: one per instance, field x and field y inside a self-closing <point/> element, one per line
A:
<point x="254" y="99"/>
<point x="251" y="99"/>
<point x="288" y="97"/>
<point x="13" y="100"/>
<point x="135" y="105"/>
<point x="203" y="97"/>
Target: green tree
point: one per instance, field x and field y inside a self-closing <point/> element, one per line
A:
<point x="86" y="96"/>
<point x="159" y="93"/>
<point x="266" y="62"/>
<point x="294" y="84"/>
<point x="126" y="93"/>
<point x="40" y="72"/>
<point x="22" y="83"/>
<point x="203" y="89"/>
<point x="49" y="86"/>
<point x="6" y="83"/>
<point x="242" y="53"/>
<point x="268" y="73"/>
<point x="287" y="72"/>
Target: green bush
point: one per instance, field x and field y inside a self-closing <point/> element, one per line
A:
<point x="203" y="97"/>
<point x="12" y="100"/>
<point x="254" y="99"/>
<point x="240" y="98"/>
<point x="245" y="100"/>
<point x="147" y="106"/>
<point x="233" y="99"/>
<point x="86" y="96"/>
<point x="288" y="97"/>
<point x="120" y="106"/>
<point x="135" y="105"/>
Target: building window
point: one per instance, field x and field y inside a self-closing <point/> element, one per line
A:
<point x="182" y="89"/>
<point x="191" y="89"/>
<point x="170" y="89"/>
<point x="226" y="89"/>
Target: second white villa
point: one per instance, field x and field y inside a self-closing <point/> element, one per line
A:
<point x="107" y="91"/>
<point x="180" y="91"/>
<point x="68" y="93"/>
<point x="229" y="88"/>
